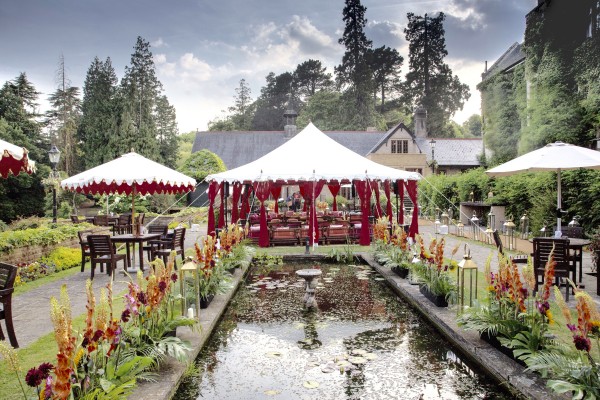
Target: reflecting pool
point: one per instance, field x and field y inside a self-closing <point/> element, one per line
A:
<point x="362" y="342"/>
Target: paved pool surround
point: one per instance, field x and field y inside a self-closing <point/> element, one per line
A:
<point x="483" y="356"/>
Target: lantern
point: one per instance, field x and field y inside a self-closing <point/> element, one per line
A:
<point x="467" y="264"/>
<point x="574" y="222"/>
<point x="475" y="226"/>
<point x="525" y="226"/>
<point x="460" y="229"/>
<point x="189" y="268"/>
<point x="489" y="232"/>
<point x="492" y="219"/>
<point x="509" y="234"/>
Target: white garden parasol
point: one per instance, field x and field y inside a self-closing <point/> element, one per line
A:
<point x="130" y="173"/>
<point x="555" y="157"/>
<point x="14" y="160"/>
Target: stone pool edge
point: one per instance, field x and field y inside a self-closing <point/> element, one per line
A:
<point x="495" y="364"/>
<point x="500" y="367"/>
<point x="171" y="371"/>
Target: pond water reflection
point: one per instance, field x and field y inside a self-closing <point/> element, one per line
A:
<point x="361" y="343"/>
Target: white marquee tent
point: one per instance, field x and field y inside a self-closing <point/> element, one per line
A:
<point x="311" y="158"/>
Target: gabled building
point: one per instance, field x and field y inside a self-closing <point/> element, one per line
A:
<point x="398" y="147"/>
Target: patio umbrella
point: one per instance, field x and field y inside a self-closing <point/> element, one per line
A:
<point x="14" y="160"/>
<point x="555" y="157"/>
<point x="130" y="174"/>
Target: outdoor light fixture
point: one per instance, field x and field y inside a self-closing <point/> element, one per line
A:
<point x="543" y="231"/>
<point x="467" y="264"/>
<point x="492" y="219"/>
<point x="437" y="225"/>
<point x="189" y="267"/>
<point x="460" y="229"/>
<point x="510" y="234"/>
<point x="54" y="156"/>
<point x="445" y="222"/>
<point x="432" y="144"/>
<point x="525" y="226"/>
<point x="488" y="235"/>
<point x="475" y="226"/>
<point x="574" y="222"/>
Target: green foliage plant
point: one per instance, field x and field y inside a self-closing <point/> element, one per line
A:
<point x="574" y="370"/>
<point x="63" y="258"/>
<point x="201" y="164"/>
<point x="433" y="271"/>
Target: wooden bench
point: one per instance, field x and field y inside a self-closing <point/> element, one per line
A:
<point x="284" y="235"/>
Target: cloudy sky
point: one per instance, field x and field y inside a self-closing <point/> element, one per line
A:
<point x="202" y="48"/>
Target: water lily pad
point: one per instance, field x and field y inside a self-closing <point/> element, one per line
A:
<point x="274" y="354"/>
<point x="311" y="384"/>
<point x="343" y="364"/>
<point x="359" y="352"/>
<point x="357" y="360"/>
<point x="370" y="356"/>
<point x="272" y="392"/>
<point x="328" y="369"/>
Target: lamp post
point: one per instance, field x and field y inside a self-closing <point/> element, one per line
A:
<point x="54" y="156"/>
<point x="432" y="144"/>
<point x="510" y="234"/>
<point x="467" y="264"/>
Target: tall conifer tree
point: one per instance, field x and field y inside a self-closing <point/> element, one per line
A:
<point x="98" y="123"/>
<point x="429" y="81"/>
<point x="139" y="89"/>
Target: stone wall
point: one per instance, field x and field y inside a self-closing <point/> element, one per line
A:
<point x="30" y="254"/>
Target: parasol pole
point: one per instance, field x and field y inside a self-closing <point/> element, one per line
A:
<point x="558" y="233"/>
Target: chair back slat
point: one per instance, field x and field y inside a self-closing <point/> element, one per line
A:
<point x="543" y="247"/>
<point x="162" y="229"/>
<point x="83" y="235"/>
<point x="100" y="245"/>
<point x="178" y="238"/>
<point x="8" y="274"/>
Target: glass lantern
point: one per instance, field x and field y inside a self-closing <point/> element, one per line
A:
<point x="475" y="226"/>
<point x="525" y="226"/>
<point x="467" y="264"/>
<point x="187" y="269"/>
<point x="509" y="235"/>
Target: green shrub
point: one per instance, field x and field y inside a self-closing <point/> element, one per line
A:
<point x="63" y="258"/>
<point x="40" y="236"/>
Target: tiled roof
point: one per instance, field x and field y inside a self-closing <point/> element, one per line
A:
<point x="509" y="59"/>
<point x="453" y="152"/>
<point x="241" y="147"/>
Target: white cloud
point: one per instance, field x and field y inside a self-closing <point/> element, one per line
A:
<point x="194" y="68"/>
<point x="158" y="43"/>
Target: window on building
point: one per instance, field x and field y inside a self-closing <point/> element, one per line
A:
<point x="399" y="146"/>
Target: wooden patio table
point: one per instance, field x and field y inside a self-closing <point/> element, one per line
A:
<point x="133" y="239"/>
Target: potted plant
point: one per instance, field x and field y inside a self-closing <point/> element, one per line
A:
<point x="437" y="285"/>
<point x="212" y="276"/>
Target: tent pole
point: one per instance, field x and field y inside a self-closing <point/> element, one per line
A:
<point x="558" y="206"/>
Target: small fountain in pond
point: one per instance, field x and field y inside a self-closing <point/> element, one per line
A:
<point x="309" y="276"/>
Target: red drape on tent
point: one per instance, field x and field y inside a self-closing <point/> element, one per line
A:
<point x="305" y="192"/>
<point x="363" y="190"/>
<point x="400" y="186"/>
<point x="375" y="188"/>
<point x="262" y="190"/>
<point x="221" y="223"/>
<point x="411" y="188"/>
<point x="245" y="209"/>
<point x="334" y="188"/>
<point x="235" y="198"/>
<point x="276" y="193"/>
<point x="388" y="206"/>
<point x="213" y="188"/>
<point x="312" y="190"/>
